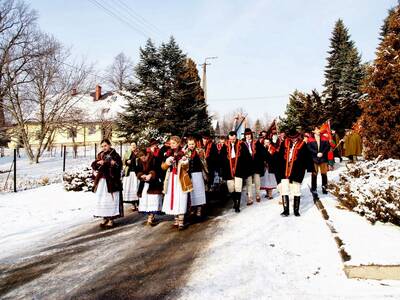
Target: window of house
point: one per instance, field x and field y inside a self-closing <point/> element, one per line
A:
<point x="92" y="129"/>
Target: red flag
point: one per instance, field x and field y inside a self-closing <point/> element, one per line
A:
<point x="326" y="130"/>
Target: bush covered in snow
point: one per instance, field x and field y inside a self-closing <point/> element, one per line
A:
<point x="372" y="189"/>
<point x="78" y="180"/>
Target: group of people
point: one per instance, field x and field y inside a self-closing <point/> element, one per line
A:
<point x="174" y="178"/>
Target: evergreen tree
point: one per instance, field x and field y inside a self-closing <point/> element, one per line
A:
<point x="189" y="109"/>
<point x="303" y="111"/>
<point x="385" y="26"/>
<point x="293" y="112"/>
<point x="143" y="109"/>
<point x="380" y="121"/>
<point x="343" y="75"/>
<point x="167" y="96"/>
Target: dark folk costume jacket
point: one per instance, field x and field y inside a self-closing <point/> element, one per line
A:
<point x="129" y="167"/>
<point x="256" y="157"/>
<point x="323" y="148"/>
<point x="195" y="163"/>
<point x="211" y="157"/>
<point x="149" y="167"/>
<point x="111" y="173"/>
<point x="238" y="166"/>
<point x="293" y="169"/>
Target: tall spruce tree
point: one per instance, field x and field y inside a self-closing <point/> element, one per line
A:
<point x="303" y="111"/>
<point x="380" y="121"/>
<point x="167" y="95"/>
<point x="343" y="76"/>
<point x="143" y="109"/>
<point x="385" y="26"/>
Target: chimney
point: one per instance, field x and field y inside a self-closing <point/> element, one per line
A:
<point x="97" y="93"/>
<point x="74" y="92"/>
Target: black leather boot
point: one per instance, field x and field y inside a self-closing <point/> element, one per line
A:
<point x="285" y="203"/>
<point x="324" y="183"/>
<point x="237" y="202"/>
<point x="296" y="206"/>
<point x="314" y="182"/>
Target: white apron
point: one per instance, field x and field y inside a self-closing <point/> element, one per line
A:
<point x="198" y="195"/>
<point x="149" y="202"/>
<point x="130" y="186"/>
<point x="107" y="203"/>
<point x="175" y="200"/>
<point x="268" y="181"/>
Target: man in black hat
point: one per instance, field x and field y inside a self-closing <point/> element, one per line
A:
<point x="234" y="161"/>
<point x="256" y="158"/>
<point x="293" y="160"/>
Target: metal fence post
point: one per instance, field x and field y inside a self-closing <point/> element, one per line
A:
<point x="15" y="170"/>
<point x="65" y="149"/>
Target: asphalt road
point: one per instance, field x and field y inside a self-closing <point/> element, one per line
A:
<point x="130" y="261"/>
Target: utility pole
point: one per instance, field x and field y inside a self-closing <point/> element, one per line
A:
<point x="204" y="79"/>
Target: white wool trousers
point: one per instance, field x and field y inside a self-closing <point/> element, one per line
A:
<point x="235" y="185"/>
<point x="286" y="188"/>
<point x="256" y="179"/>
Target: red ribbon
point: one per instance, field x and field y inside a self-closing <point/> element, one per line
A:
<point x="172" y="187"/>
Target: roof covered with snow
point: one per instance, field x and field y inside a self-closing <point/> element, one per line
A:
<point x="107" y="108"/>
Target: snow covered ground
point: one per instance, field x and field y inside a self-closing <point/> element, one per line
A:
<point x="260" y="255"/>
<point x="29" y="218"/>
<point x="256" y="254"/>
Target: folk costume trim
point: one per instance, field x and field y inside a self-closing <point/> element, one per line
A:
<point x="237" y="150"/>
<point x="290" y="162"/>
<point x="208" y="149"/>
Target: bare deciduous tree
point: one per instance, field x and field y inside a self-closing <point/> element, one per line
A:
<point x="43" y="94"/>
<point x="120" y="73"/>
<point x="17" y="27"/>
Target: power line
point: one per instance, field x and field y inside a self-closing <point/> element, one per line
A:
<point x="122" y="11"/>
<point x="113" y="14"/>
<point x="140" y="18"/>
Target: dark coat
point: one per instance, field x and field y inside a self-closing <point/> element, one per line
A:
<point x="195" y="164"/>
<point x="132" y="166"/>
<point x="258" y="157"/>
<point x="146" y="168"/>
<point x="302" y="162"/>
<point x="111" y="173"/>
<point x="211" y="154"/>
<point x="269" y="160"/>
<point x="324" y="148"/>
<point x="243" y="164"/>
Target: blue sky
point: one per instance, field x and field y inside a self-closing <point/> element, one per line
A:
<point x="265" y="48"/>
